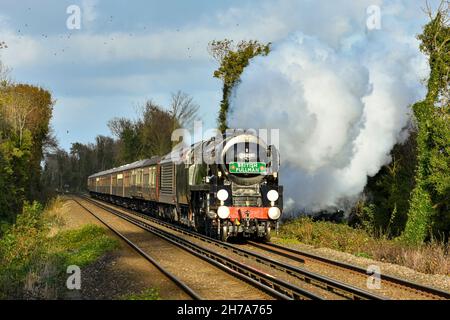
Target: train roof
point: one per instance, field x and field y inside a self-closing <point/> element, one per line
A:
<point x="129" y="166"/>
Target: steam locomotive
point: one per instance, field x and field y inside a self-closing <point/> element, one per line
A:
<point x="224" y="187"/>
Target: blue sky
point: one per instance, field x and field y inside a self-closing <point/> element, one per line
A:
<point x="129" y="51"/>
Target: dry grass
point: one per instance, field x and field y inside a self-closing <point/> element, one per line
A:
<point x="148" y="294"/>
<point x="52" y="214"/>
<point x="430" y="258"/>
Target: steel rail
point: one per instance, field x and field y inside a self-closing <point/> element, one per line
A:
<point x="323" y="282"/>
<point x="266" y="282"/>
<point x="172" y="277"/>
<point x="409" y="285"/>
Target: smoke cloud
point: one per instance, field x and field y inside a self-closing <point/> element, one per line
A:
<point x="341" y="103"/>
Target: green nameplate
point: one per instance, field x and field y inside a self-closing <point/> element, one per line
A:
<point x="247" y="167"/>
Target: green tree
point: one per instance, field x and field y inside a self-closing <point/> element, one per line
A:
<point x="25" y="113"/>
<point x="232" y="59"/>
<point x="430" y="208"/>
<point x="149" y="135"/>
<point x="14" y="165"/>
<point x="105" y="148"/>
<point x="157" y="128"/>
<point x="386" y="191"/>
<point x="128" y="134"/>
<point x="64" y="170"/>
<point x="183" y="110"/>
<point x="26" y="107"/>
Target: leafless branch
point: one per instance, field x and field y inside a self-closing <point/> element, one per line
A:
<point x="183" y="108"/>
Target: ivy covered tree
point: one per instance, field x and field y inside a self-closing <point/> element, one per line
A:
<point x="232" y="59"/>
<point x="429" y="212"/>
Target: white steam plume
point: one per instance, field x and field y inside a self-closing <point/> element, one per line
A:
<point x="340" y="109"/>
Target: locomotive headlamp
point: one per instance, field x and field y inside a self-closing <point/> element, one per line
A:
<point x="274" y="213"/>
<point x="222" y="195"/>
<point x="272" y="195"/>
<point x="223" y="212"/>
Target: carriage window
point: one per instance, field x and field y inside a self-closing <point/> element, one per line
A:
<point x="133" y="177"/>
<point x="153" y="176"/>
<point x="139" y="177"/>
<point x="146" y="180"/>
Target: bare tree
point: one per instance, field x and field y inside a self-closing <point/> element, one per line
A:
<point x="118" y="125"/>
<point x="183" y="109"/>
<point x="4" y="71"/>
<point x="50" y="142"/>
<point x="4" y="75"/>
<point x="220" y="49"/>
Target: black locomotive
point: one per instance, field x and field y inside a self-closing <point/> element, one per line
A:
<point x="224" y="187"/>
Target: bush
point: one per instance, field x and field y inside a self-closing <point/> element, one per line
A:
<point x="21" y="248"/>
<point x="33" y="264"/>
<point x="431" y="257"/>
<point x="417" y="227"/>
<point x="326" y="234"/>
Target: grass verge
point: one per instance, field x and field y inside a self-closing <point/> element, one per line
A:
<point x="34" y="259"/>
<point x="431" y="258"/>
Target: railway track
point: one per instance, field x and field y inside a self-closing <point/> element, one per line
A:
<point x="191" y="293"/>
<point x="386" y="280"/>
<point x="322" y="282"/>
<point x="276" y="288"/>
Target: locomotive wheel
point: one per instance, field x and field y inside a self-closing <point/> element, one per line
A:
<point x="224" y="233"/>
<point x="199" y="222"/>
<point x="268" y="234"/>
<point x="209" y="228"/>
<point x="266" y="237"/>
